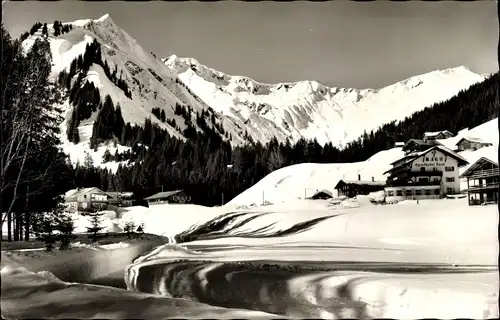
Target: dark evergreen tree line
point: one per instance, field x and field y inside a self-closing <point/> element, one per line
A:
<point x="159" y="114"/>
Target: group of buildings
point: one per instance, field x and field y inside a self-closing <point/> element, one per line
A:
<point x="88" y="199"/>
<point x="429" y="170"/>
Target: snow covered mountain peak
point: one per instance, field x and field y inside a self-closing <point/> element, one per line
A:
<point x="243" y="109"/>
<point x="104" y="17"/>
<point x="310" y="109"/>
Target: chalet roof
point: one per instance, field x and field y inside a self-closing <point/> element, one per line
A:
<point x="322" y="191"/>
<point x="115" y="194"/>
<point x="361" y="183"/>
<point x="162" y="195"/>
<point x="421" y="142"/>
<point x="417" y="155"/>
<point x="476" y="165"/>
<point x="473" y="139"/>
<point x="433" y="134"/>
<point x="73" y="194"/>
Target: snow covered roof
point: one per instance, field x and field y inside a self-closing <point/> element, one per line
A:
<point x="361" y="183"/>
<point x="115" y="194"/>
<point x="473" y="139"/>
<point x="417" y="155"/>
<point x="433" y="134"/>
<point x="162" y="195"/>
<point x="73" y="194"/>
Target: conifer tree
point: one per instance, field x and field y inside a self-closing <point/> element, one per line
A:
<point x="44" y="30"/>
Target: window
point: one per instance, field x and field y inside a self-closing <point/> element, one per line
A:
<point x="399" y="193"/>
<point x="450" y="190"/>
<point x="408" y="192"/>
<point x="450" y="179"/>
<point x="436" y="192"/>
<point x="426" y="159"/>
<point x="452" y="168"/>
<point x="434" y="169"/>
<point x="422" y="169"/>
<point x="440" y="158"/>
<point x="423" y="180"/>
<point x="436" y="179"/>
<point x="390" y="193"/>
<point x="427" y="192"/>
<point x="418" y="192"/>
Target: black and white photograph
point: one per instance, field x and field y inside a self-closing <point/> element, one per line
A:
<point x="250" y="159"/>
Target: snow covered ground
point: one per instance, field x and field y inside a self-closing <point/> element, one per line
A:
<point x="304" y="258"/>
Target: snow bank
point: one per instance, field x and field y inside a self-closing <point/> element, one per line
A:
<point x="48" y="298"/>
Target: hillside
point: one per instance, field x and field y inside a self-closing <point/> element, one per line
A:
<point x="173" y="92"/>
<point x="300" y="180"/>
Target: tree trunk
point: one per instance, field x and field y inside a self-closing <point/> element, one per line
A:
<point x="9" y="226"/>
<point x="27" y="226"/>
<point x="16" y="227"/>
<point x="21" y="226"/>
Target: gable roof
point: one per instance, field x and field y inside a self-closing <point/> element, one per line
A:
<point x="422" y="142"/>
<point x="162" y="195"/>
<point x="478" y="164"/>
<point x="473" y="139"/>
<point x="318" y="192"/>
<point x="433" y="134"/>
<point x="361" y="183"/>
<point x="72" y="195"/>
<point x="115" y="194"/>
<point x="417" y="155"/>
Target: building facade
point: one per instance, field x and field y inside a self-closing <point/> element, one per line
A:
<point x="430" y="174"/>
<point x="121" y="199"/>
<point x="352" y="188"/>
<point x="483" y="179"/>
<point x="86" y="199"/>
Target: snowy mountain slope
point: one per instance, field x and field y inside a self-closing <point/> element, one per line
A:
<point x="244" y="108"/>
<point x="302" y="180"/>
<point x="311" y="110"/>
<point x="152" y="84"/>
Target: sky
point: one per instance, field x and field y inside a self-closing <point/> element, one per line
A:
<point x="337" y="43"/>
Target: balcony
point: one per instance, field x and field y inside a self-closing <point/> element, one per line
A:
<point x="484" y="187"/>
<point x="403" y="183"/>
<point x="484" y="173"/>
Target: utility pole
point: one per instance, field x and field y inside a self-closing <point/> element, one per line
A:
<point x="263" y="197"/>
<point x="223" y="198"/>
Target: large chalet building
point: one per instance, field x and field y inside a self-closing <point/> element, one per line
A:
<point x="427" y="171"/>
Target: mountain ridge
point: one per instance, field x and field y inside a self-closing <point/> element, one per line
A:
<point x="245" y="109"/>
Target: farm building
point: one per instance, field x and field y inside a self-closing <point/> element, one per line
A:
<point x="352" y="188"/>
<point x="177" y="196"/>
<point x="321" y="194"/>
<point x="445" y="134"/>
<point x="471" y="143"/>
<point x="121" y="199"/>
<point x="418" y="145"/>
